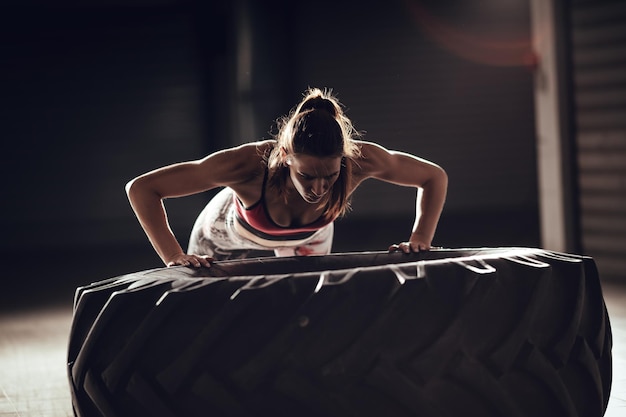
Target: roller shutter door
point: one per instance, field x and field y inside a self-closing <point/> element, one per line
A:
<point x="599" y="77"/>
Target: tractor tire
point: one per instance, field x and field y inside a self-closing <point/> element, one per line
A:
<point x="449" y="332"/>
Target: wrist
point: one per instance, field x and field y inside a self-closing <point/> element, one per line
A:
<point x="172" y="257"/>
<point x="421" y="235"/>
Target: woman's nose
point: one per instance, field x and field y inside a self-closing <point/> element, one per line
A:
<point x="320" y="186"/>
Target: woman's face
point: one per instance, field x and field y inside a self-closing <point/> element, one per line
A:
<point x="312" y="176"/>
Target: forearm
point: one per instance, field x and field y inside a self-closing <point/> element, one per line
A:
<point x="152" y="217"/>
<point x="429" y="205"/>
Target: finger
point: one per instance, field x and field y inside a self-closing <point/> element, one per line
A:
<point x="184" y="260"/>
<point x="393" y="248"/>
<point x="206" y="261"/>
<point x="200" y="260"/>
<point x="191" y="261"/>
<point x="421" y="247"/>
<point x="180" y="262"/>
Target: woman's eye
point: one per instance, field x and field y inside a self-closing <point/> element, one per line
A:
<point x="311" y="178"/>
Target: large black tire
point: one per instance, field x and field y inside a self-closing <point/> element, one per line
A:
<point x="472" y="332"/>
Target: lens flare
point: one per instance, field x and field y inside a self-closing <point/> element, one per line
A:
<point x="477" y="48"/>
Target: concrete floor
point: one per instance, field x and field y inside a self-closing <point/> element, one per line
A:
<point x="33" y="342"/>
<point x="33" y="353"/>
<point x="615" y="297"/>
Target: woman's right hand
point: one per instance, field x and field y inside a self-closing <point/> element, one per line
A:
<point x="190" y="260"/>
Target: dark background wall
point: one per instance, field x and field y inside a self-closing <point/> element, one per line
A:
<point x="444" y="80"/>
<point x="93" y="96"/>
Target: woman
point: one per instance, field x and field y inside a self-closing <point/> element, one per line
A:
<point x="283" y="194"/>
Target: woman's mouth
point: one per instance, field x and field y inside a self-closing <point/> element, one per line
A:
<point x="313" y="198"/>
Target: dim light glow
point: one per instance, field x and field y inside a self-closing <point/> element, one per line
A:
<point x="483" y="49"/>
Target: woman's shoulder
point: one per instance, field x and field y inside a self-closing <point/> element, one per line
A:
<point x="259" y="148"/>
<point x="235" y="165"/>
<point x="368" y="148"/>
<point x="370" y="155"/>
<point x="372" y="159"/>
<point x="245" y="156"/>
<point x="247" y="165"/>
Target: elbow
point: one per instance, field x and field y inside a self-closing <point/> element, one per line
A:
<point x="443" y="182"/>
<point x="130" y="187"/>
<point x="134" y="188"/>
<point x="442" y="176"/>
<point x="437" y="183"/>
<point x="438" y="178"/>
<point x="141" y="189"/>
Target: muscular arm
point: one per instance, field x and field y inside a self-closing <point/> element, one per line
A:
<point x="231" y="167"/>
<point x="405" y="169"/>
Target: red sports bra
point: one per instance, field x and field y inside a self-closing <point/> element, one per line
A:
<point x="257" y="220"/>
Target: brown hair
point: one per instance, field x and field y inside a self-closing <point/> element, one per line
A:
<point x="317" y="126"/>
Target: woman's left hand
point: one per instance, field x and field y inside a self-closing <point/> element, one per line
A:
<point x="414" y="245"/>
